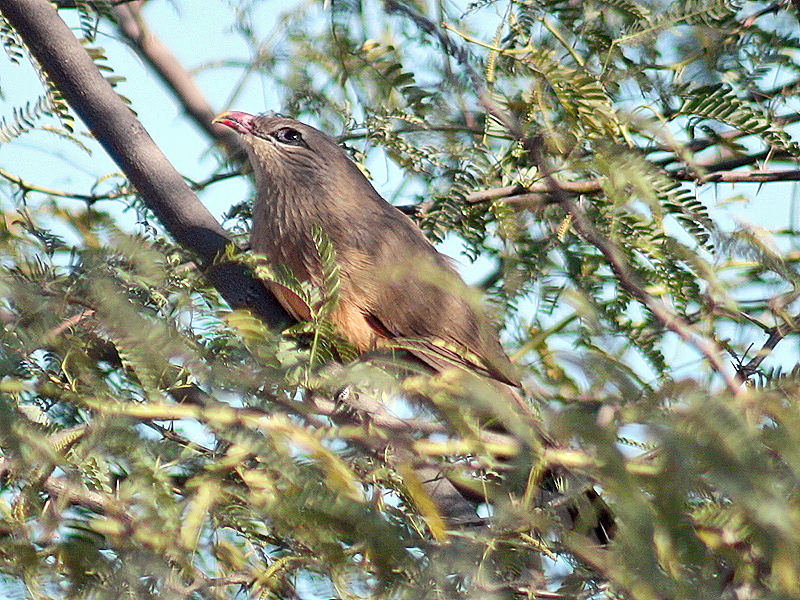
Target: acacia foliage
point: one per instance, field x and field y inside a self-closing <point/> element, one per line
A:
<point x="156" y="443"/>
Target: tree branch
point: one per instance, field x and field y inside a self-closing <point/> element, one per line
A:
<point x="518" y="194"/>
<point x="627" y="277"/>
<point x="776" y="334"/>
<point x="132" y="25"/>
<point x="625" y="274"/>
<point x="113" y="124"/>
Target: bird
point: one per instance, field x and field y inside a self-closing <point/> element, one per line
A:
<point x="396" y="289"/>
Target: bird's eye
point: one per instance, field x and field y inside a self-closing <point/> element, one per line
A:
<point x="290" y="136"/>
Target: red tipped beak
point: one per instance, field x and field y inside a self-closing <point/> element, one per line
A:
<point x="239" y="121"/>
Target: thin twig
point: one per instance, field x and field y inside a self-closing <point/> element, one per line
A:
<point x="588" y="186"/>
<point x="776" y="334"/>
<point x="629" y="281"/>
<point x="616" y="260"/>
<point x="27" y="186"/>
<point x="132" y="25"/>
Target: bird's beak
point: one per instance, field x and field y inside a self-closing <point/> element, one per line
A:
<point x="236" y="120"/>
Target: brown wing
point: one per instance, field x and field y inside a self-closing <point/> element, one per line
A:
<point x="293" y="304"/>
<point x="413" y="294"/>
<point x="442" y="329"/>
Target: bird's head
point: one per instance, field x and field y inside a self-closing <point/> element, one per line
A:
<point x="292" y="160"/>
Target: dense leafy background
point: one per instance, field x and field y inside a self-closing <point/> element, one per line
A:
<point x="157" y="444"/>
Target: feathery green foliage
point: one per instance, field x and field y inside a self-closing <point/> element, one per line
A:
<point x="155" y="443"/>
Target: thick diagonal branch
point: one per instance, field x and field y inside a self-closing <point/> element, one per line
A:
<point x="113" y="124"/>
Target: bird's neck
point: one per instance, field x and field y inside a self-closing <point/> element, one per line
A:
<point x="282" y="231"/>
